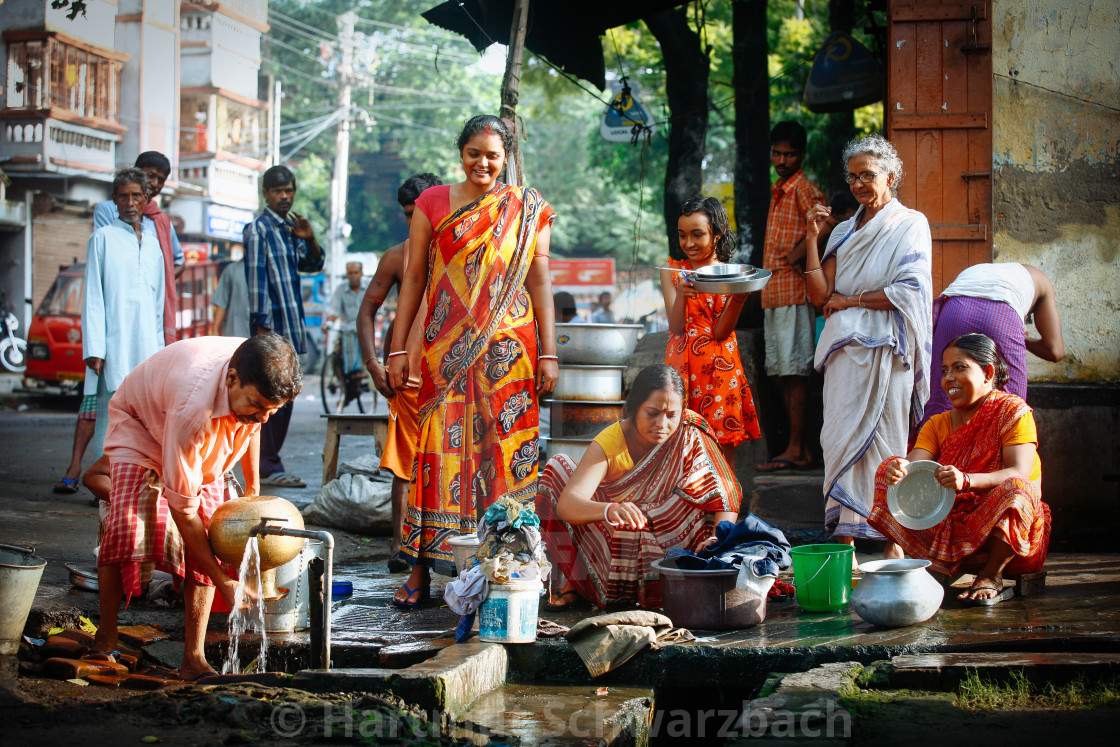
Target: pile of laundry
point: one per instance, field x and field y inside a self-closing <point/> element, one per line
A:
<point x="509" y="548"/>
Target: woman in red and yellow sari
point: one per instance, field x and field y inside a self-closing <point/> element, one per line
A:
<point x="655" y="480"/>
<point x="988" y="448"/>
<point x="478" y="256"/>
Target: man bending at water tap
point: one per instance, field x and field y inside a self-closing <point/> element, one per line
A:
<point x="178" y="423"/>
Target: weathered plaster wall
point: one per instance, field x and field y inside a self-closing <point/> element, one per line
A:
<point x="1056" y="180"/>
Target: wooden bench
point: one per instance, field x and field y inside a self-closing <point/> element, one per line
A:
<point x="351" y="425"/>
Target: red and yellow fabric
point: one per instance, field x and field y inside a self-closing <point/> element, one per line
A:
<point x="404" y="432"/>
<point x="677" y="486"/>
<point x="140" y="534"/>
<point x="478" y="422"/>
<point x="785" y="226"/>
<point x="712" y="370"/>
<point x="1012" y="511"/>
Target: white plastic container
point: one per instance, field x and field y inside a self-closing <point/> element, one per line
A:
<point x="463" y="549"/>
<point x="293" y="611"/>
<point x="509" y="614"/>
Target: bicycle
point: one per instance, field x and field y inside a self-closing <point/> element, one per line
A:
<point x="343" y="378"/>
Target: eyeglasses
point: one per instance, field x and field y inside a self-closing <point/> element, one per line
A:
<point x="866" y="177"/>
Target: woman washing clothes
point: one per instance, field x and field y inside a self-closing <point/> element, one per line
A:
<point x="987" y="445"/>
<point x="478" y="249"/>
<point x="702" y="345"/>
<point x="656" y="479"/>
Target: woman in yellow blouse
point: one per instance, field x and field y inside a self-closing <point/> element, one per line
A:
<point x="656" y="479"/>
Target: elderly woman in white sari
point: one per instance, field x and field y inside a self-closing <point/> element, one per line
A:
<point x="873" y="281"/>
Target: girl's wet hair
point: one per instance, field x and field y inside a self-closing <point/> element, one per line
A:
<point x="722" y="234"/>
<point x="486" y="124"/>
<point x="982" y="349"/>
<point x="656" y="378"/>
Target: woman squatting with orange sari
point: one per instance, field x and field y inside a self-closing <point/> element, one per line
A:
<point x="988" y="448"/>
<point x="479" y="250"/>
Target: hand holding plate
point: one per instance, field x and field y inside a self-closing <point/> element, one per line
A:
<point x="950" y="477"/>
<point x="896" y="470"/>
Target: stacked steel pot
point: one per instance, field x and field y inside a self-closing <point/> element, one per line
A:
<point x="588" y="395"/>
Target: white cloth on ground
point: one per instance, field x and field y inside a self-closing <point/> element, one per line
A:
<point x="466" y="593"/>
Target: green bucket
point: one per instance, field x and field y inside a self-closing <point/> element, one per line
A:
<point x="823" y="576"/>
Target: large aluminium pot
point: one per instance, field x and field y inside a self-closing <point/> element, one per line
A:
<point x="573" y="447"/>
<point x="575" y="419"/>
<point x="605" y="344"/>
<point x="895" y="593"/>
<point x="589" y="383"/>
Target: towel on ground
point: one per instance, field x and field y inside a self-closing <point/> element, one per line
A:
<point x="606" y="642"/>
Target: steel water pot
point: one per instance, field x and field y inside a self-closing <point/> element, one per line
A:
<point x="896" y="593"/>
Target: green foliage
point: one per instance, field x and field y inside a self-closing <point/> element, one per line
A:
<point x="985" y="694"/>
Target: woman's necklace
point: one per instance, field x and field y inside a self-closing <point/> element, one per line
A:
<point x="958" y="419"/>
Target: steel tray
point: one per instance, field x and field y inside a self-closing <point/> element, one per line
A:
<point x="750" y="284"/>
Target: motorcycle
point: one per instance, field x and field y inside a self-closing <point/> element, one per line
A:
<point x="13" y="350"/>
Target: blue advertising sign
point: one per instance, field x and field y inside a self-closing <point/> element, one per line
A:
<point x="225" y="222"/>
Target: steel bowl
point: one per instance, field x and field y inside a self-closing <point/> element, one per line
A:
<point x="749" y="284"/>
<point x="589" y="383"/>
<point x="604" y="344"/>
<point x="83" y="575"/>
<point x="573" y="447"/>
<point x="724" y="272"/>
<point x="582" y="419"/>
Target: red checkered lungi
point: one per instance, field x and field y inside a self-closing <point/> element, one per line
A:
<point x="140" y="533"/>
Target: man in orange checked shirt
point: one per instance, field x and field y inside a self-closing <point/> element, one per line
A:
<point x="788" y="318"/>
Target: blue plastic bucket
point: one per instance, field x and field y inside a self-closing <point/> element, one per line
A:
<point x="509" y="614"/>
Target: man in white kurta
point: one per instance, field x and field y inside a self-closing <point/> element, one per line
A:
<point x="122" y="308"/>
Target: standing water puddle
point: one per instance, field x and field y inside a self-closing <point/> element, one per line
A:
<point x="247" y="612"/>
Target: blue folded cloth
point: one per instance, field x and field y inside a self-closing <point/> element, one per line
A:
<point x="737" y="541"/>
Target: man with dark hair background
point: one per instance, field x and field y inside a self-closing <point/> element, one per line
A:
<point x="788" y="317"/>
<point x="279" y="245"/>
<point x="404" y="406"/>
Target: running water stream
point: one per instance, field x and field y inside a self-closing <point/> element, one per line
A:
<point x="247" y="613"/>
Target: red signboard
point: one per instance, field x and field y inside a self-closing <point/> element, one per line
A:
<point x="582" y="272"/>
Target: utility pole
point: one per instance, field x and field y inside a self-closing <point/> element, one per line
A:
<point x="511" y="83"/>
<point x="339" y="228"/>
<point x="274" y="126"/>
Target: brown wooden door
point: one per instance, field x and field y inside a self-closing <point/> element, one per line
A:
<point x="939" y="117"/>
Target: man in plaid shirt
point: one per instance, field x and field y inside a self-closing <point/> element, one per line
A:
<point x="788" y="317"/>
<point x="279" y="245"/>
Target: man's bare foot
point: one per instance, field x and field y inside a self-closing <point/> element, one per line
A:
<point x="106" y="639"/>
<point x="190" y="673"/>
<point x="983" y="587"/>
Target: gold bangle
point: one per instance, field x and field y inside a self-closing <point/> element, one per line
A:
<point x="859" y="301"/>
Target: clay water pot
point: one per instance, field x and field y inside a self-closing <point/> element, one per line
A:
<point x="229" y="533"/>
<point x="896" y="593"/>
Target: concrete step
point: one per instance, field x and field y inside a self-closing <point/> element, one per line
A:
<point x="789" y="499"/>
<point x="539" y="716"/>
<point x="946" y="671"/>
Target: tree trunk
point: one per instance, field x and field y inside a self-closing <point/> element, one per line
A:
<point x="841" y="126"/>
<point x="751" y="80"/>
<point x="686" y="86"/>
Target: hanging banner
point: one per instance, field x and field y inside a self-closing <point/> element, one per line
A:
<point x="571" y="274"/>
<point x="624" y="112"/>
<point x="844" y="76"/>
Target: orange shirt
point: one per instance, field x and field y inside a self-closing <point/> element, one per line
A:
<point x="939" y="427"/>
<point x="171" y="414"/>
<point x="785" y="226"/>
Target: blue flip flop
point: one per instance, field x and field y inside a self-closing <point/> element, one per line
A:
<point x="407" y="605"/>
<point x="66" y="485"/>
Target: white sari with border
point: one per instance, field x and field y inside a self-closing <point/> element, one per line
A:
<point x="876" y="364"/>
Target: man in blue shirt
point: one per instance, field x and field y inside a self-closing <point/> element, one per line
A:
<point x="279" y="245"/>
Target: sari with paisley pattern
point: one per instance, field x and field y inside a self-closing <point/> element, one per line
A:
<point x="478" y="414"/>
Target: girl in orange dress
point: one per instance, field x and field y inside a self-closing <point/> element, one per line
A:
<point x="702" y="345"/>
